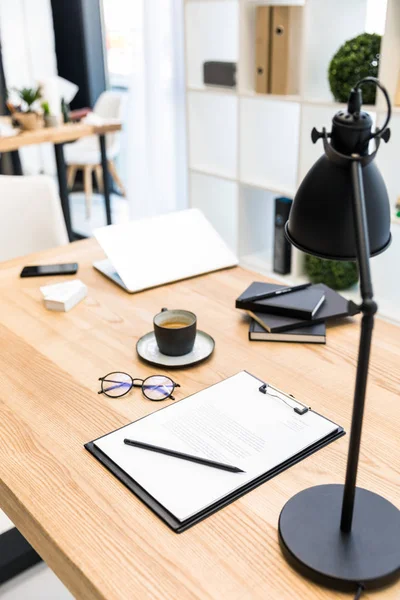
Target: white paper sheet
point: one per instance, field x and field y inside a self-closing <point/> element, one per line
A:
<point x="231" y="422"/>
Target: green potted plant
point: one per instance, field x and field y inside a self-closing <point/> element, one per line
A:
<point x="336" y="274"/>
<point x="49" y="119"/>
<point x="357" y="58"/>
<point x="28" y="118"/>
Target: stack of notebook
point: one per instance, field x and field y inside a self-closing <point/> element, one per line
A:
<point x="298" y="315"/>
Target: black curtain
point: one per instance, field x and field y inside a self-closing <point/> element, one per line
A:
<point x="79" y="44"/>
<point x="10" y="163"/>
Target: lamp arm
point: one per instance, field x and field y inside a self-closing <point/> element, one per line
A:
<point x="368" y="308"/>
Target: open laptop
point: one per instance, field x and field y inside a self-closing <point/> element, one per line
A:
<point x="150" y="252"/>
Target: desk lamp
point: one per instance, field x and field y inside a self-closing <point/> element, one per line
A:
<point x="343" y="536"/>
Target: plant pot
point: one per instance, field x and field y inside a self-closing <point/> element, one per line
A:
<point x="51" y="121"/>
<point x="29" y="121"/>
<point x="338" y="275"/>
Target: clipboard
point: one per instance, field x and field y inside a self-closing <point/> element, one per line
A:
<point x="181" y="526"/>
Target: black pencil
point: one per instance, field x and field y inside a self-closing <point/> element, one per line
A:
<point x="279" y="292"/>
<point x="196" y="459"/>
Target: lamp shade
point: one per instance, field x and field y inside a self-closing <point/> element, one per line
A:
<point x="321" y="219"/>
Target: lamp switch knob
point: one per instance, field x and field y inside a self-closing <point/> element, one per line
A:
<point x="316" y="135"/>
<point x="385" y="135"/>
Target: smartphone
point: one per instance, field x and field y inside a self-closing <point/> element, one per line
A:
<point x="43" y="270"/>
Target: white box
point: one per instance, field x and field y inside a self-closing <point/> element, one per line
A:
<point x="63" y="296"/>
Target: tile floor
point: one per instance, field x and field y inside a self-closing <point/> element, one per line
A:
<point x="119" y="212"/>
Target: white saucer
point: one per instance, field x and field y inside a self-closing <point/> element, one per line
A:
<point x="148" y="350"/>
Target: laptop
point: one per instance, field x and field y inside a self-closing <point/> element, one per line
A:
<point x="154" y="251"/>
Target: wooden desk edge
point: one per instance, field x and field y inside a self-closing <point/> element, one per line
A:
<point x="56" y="135"/>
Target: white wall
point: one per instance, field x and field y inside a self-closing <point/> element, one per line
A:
<point x="28" y="49"/>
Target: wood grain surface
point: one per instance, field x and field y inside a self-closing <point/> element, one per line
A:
<point x="97" y="536"/>
<point x="55" y="135"/>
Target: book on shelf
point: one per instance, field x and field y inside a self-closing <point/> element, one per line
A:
<point x="303" y="304"/>
<point x="272" y="49"/>
<point x="279" y="52"/>
<point x="313" y="334"/>
<point x="262" y="48"/>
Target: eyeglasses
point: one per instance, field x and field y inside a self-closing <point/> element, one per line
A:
<point x="155" y="387"/>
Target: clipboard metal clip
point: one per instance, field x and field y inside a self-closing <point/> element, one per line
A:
<point x="300" y="410"/>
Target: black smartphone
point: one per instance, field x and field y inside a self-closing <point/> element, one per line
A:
<point x="43" y="270"/>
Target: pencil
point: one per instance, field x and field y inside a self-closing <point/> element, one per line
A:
<point x="183" y="456"/>
<point x="279" y="292"/>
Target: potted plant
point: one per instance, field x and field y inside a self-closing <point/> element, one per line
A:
<point x="357" y="58"/>
<point x="49" y="119"/>
<point x="336" y="274"/>
<point x="28" y="118"/>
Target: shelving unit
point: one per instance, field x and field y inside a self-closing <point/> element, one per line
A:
<point x="246" y="148"/>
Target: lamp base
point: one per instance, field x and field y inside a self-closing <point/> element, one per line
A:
<point x="312" y="542"/>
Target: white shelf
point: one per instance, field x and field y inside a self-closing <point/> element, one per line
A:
<point x="277" y="2"/>
<point x="270" y="187"/>
<point x="256" y="222"/>
<point x="211" y="34"/>
<point x="246" y="148"/>
<point x="212" y="89"/>
<point x="336" y="105"/>
<point x="327" y="25"/>
<point x="218" y="199"/>
<point x="211" y="173"/>
<point x="259" y="185"/>
<point x="269" y="97"/>
<point x="213" y="133"/>
<point x="269" y="137"/>
<point x="207" y="1"/>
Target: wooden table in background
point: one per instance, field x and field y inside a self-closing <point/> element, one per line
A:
<point x="59" y="136"/>
<point x="95" y="534"/>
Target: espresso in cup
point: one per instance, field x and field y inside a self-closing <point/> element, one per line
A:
<point x="174" y="324"/>
<point x="175" y="331"/>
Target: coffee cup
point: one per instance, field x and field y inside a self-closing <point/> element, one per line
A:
<point x="175" y="331"/>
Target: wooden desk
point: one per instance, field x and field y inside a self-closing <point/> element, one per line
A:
<point x="58" y="136"/>
<point x="55" y="135"/>
<point x="98" y="537"/>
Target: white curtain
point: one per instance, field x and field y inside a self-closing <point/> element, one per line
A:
<point x="156" y="138"/>
<point x="28" y="49"/>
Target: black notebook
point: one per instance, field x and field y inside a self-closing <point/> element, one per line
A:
<point x="222" y="423"/>
<point x="313" y="334"/>
<point x="334" y="307"/>
<point x="302" y="304"/>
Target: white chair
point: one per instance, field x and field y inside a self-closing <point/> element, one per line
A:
<point x="31" y="217"/>
<point x="85" y="153"/>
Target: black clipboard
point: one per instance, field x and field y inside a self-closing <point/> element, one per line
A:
<point x="169" y="518"/>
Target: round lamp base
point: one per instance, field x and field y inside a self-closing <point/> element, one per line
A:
<point x="312" y="542"/>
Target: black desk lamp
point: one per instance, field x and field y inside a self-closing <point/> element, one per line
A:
<point x="345" y="537"/>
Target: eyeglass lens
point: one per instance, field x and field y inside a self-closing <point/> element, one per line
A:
<point x="116" y="384"/>
<point x="157" y="387"/>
